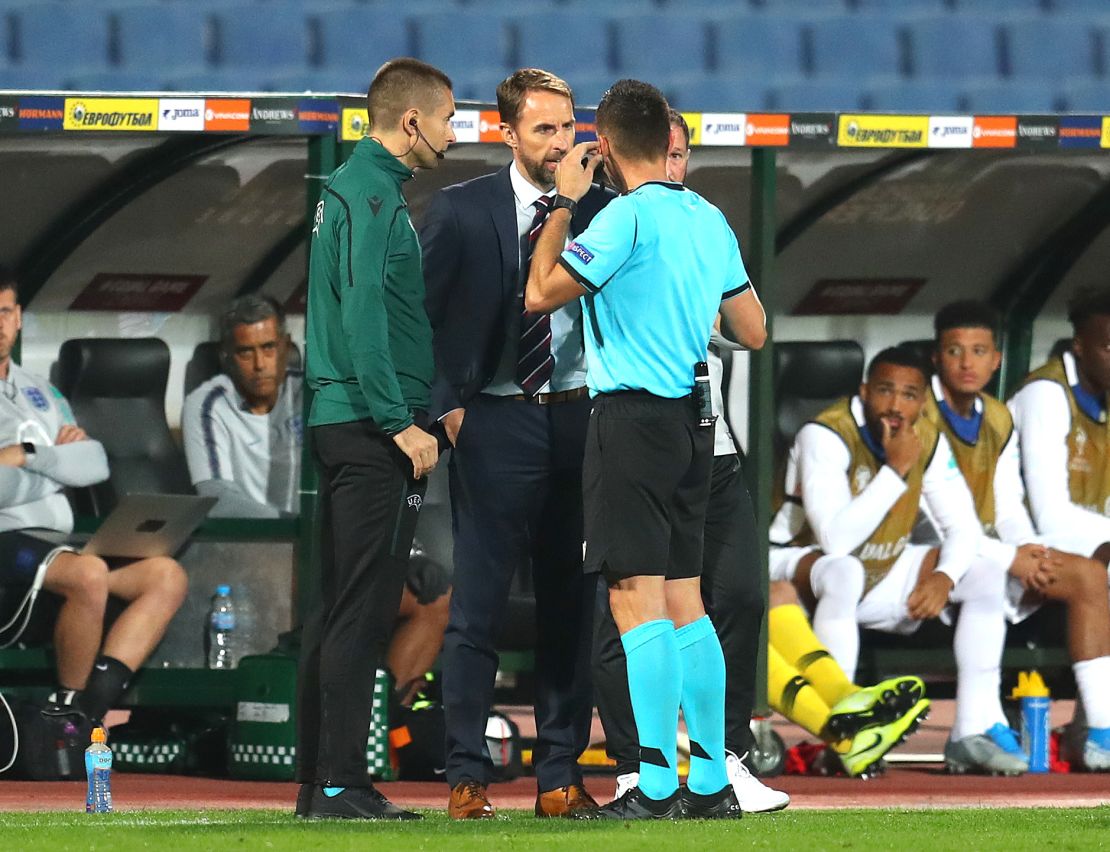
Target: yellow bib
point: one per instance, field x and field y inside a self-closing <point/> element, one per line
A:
<point x="979" y="461"/>
<point x="1088" y="445"/>
<point x="885" y="544"/>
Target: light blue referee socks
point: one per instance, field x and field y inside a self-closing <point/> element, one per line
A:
<point x="703" y="705"/>
<point x="655" y="686"/>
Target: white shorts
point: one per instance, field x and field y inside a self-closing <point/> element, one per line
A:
<point x="1017" y="605"/>
<point x="782" y="562"/>
<point x="884" y="607"/>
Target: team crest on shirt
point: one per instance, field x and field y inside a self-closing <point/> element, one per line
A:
<point x="36" y="398"/>
<point x="415" y="502"/>
<point x="860" y="479"/>
<point x="1078" y="462"/>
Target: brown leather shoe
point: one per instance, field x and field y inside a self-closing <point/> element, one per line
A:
<point x="572" y="801"/>
<point x="469" y="801"/>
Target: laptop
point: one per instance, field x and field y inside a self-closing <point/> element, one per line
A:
<point x="145" y="525"/>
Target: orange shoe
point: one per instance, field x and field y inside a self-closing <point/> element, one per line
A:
<point x="469" y="801"/>
<point x="571" y="801"/>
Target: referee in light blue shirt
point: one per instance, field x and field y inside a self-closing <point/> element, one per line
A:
<point x="653" y="269"/>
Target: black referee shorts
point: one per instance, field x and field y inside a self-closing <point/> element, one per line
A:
<point x="645" y="486"/>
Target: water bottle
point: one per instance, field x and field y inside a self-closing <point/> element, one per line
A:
<point x="221" y="630"/>
<point x="98" y="768"/>
<point x="1036" y="705"/>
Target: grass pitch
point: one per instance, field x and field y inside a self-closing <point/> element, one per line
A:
<point x="177" y="831"/>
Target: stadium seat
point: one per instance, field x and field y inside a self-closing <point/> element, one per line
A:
<point x="164" y="37"/>
<point x="905" y="8"/>
<point x="119" y="81"/>
<point x="1049" y="48"/>
<point x="237" y="80"/>
<point x="915" y="96"/>
<point x="347" y="80"/>
<point x="1013" y="96"/>
<point x="42" y="77"/>
<point x="241" y="43"/>
<point x="117" y="388"/>
<point x="1076" y="8"/>
<point x="589" y="86"/>
<point x="654" y="46"/>
<point x="718" y="93"/>
<point x="591" y="47"/>
<point x="1091" y="96"/>
<point x="1007" y="7"/>
<point x="360" y="39"/>
<point x="466" y="45"/>
<point x="857" y="44"/>
<point x="819" y="96"/>
<point x="759" y="45"/>
<point x="67" y="36"/>
<point x="808" y="377"/>
<point x="954" y="46"/>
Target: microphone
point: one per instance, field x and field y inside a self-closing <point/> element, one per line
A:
<point x="439" y="154"/>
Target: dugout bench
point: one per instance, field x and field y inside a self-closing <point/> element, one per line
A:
<point x="853" y="226"/>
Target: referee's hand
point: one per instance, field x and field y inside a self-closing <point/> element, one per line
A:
<point x="421" y="448"/>
<point x="572" y="178"/>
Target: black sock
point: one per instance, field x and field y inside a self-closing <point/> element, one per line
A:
<point x="108" y="680"/>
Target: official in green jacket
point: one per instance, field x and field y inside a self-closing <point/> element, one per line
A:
<point x="369" y="364"/>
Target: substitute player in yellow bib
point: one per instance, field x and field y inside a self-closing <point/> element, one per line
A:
<point x="855" y="479"/>
<point x="980" y="431"/>
<point x="1060" y="412"/>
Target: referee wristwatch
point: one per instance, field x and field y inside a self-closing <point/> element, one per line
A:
<point x="562" y="201"/>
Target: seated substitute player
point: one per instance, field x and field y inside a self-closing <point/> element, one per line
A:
<point x="807" y="686"/>
<point x="244" y="433"/>
<point x="649" y="301"/>
<point x="856" y="477"/>
<point x="1060" y="413"/>
<point x="980" y="430"/>
<point x="43" y="451"/>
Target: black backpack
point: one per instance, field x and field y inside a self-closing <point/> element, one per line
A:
<point x="47" y="748"/>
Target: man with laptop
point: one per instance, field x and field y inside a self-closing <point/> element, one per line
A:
<point x="42" y="452"/>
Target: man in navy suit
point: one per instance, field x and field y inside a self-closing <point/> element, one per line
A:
<point x="511" y="394"/>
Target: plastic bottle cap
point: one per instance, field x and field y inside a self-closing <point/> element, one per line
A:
<point x="223" y="590"/>
<point x="99" y="735"/>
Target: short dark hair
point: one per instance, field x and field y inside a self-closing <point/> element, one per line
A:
<point x="1086" y="303"/>
<point x="8" y="280"/>
<point x="247" y="310"/>
<point x="512" y="91"/>
<point x="400" y="85"/>
<point x="967" y="313"/>
<point x="678" y="121"/>
<point x="900" y="356"/>
<point x="636" y="118"/>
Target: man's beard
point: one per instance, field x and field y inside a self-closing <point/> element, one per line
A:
<point x="540" y="175"/>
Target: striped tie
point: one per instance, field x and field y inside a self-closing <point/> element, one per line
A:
<point x="534" y="363"/>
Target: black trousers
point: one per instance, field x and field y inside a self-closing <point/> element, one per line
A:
<point x="733" y="598"/>
<point x="516" y="499"/>
<point x="369" y="504"/>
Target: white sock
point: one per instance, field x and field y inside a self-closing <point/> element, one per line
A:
<point x="980" y="635"/>
<point x="837" y="583"/>
<point x="1093" y="679"/>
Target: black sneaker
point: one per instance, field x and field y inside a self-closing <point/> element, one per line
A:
<point x="64" y="702"/>
<point x="635" y="805"/>
<point x="720" y="805"/>
<point x="304" y="800"/>
<point x="355" y="803"/>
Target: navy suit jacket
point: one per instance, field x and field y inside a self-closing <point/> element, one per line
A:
<point x="472" y="271"/>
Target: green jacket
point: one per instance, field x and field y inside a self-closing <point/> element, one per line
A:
<point x="368" y="339"/>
